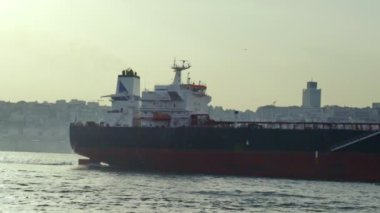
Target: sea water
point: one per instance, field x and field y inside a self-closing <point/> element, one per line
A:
<point x="45" y="182"/>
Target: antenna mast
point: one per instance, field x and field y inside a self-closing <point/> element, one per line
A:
<point x="178" y="68"/>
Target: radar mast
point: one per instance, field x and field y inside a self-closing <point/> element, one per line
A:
<point x="178" y="68"/>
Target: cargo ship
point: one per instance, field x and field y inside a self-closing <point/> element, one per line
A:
<point x="169" y="130"/>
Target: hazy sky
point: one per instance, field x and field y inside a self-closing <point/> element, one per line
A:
<point x="250" y="53"/>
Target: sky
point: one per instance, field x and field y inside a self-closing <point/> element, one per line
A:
<point x="250" y="53"/>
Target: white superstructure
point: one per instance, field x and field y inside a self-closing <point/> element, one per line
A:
<point x="173" y="105"/>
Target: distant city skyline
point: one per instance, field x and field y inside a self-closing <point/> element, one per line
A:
<point x="249" y="53"/>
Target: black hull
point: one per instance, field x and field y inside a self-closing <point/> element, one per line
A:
<point x="295" y="154"/>
<point x="227" y="139"/>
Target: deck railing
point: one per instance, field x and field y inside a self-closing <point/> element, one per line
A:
<point x="274" y="125"/>
<point x="303" y="125"/>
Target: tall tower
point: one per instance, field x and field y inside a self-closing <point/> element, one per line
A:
<point x="311" y="96"/>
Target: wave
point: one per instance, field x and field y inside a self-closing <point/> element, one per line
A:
<point x="35" y="162"/>
<point x="37" y="158"/>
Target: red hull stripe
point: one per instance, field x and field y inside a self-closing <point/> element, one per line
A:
<point x="297" y="165"/>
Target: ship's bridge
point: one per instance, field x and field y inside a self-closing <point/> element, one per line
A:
<point x="197" y="89"/>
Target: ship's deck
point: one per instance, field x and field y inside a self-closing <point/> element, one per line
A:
<point x="276" y="125"/>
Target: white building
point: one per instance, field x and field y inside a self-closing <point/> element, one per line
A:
<point x="311" y="96"/>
